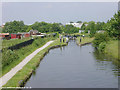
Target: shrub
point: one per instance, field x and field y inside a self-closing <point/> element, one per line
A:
<point x="8" y="56"/>
<point x="99" y="38"/>
<point x="102" y="46"/>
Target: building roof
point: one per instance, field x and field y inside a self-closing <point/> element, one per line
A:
<point x="35" y="31"/>
<point x="75" y="24"/>
<point x="4" y="33"/>
<point x="23" y="33"/>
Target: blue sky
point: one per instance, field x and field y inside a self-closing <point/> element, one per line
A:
<point x="63" y="12"/>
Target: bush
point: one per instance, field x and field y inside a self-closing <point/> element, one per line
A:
<point x="99" y="38"/>
<point x="102" y="46"/>
<point x="9" y="56"/>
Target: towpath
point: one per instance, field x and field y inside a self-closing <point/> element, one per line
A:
<point x="4" y="79"/>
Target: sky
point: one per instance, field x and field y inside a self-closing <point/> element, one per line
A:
<point x="59" y="0"/>
<point x="60" y="12"/>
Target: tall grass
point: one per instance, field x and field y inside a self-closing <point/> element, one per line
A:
<point x="112" y="49"/>
<point x="84" y="40"/>
<point x="11" y="42"/>
<point x="24" y="74"/>
<point x="12" y="58"/>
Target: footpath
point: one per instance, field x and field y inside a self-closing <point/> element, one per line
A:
<point x="4" y="79"/>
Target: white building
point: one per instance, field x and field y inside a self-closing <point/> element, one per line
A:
<point x="75" y="24"/>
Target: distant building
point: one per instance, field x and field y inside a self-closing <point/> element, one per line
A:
<point x="5" y="36"/>
<point x="34" y="32"/>
<point x="80" y="31"/>
<point x="24" y="34"/>
<point x="100" y="31"/>
<point x="75" y="24"/>
<point x="15" y="35"/>
<point x="3" y="25"/>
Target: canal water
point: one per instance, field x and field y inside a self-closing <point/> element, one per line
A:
<point x="73" y="66"/>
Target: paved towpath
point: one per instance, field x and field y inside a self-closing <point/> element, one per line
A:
<point x="4" y="79"/>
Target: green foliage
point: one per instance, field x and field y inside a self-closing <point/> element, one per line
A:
<point x="71" y="22"/>
<point x="99" y="38"/>
<point x="113" y="26"/>
<point x="14" y="27"/>
<point x="70" y="29"/>
<point x="79" y="21"/>
<point x="46" y="27"/>
<point x="12" y="42"/>
<point x="83" y="27"/>
<point x="99" y="25"/>
<point x="28" y="29"/>
<point x="102" y="46"/>
<point x="92" y="27"/>
<point x="86" y="31"/>
<point x="9" y="56"/>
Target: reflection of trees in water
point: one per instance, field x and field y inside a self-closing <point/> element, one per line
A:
<point x="104" y="61"/>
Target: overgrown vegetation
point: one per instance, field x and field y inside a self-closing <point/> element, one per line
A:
<point x="12" y="42"/>
<point x="19" y="26"/>
<point x="112" y="49"/>
<point x="20" y="78"/>
<point x="12" y="58"/>
<point x="103" y="41"/>
<point x="92" y="27"/>
<point x="84" y="40"/>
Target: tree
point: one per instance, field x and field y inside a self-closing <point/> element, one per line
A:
<point x="79" y="22"/>
<point x="113" y="26"/>
<point x="56" y="27"/>
<point x="70" y="29"/>
<point x="14" y="27"/>
<point x="28" y="29"/>
<point x="91" y="25"/>
<point x="71" y="22"/>
<point x="83" y="27"/>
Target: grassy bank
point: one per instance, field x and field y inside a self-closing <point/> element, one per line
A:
<point x="107" y="45"/>
<point x="12" y="42"/>
<point x="112" y="49"/>
<point x="11" y="58"/>
<point x="84" y="40"/>
<point x="20" y="78"/>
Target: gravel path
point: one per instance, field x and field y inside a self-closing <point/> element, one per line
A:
<point x="4" y="79"/>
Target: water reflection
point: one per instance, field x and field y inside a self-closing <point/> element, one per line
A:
<point x="105" y="62"/>
<point x="73" y="66"/>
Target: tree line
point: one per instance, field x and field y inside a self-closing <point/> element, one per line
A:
<point x="112" y="27"/>
<point x="19" y="26"/>
<point x="112" y="32"/>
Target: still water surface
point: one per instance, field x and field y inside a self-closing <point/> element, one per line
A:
<point x="73" y="66"/>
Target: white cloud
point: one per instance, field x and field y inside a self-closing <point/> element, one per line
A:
<point x="60" y="0"/>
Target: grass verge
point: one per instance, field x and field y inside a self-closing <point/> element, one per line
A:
<point x="23" y="75"/>
<point x="84" y="40"/>
<point x="20" y="54"/>
<point x="12" y="42"/>
<point x="112" y="49"/>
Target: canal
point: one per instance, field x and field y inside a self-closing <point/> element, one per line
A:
<point x="73" y="66"/>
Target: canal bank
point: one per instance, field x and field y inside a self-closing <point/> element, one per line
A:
<point x="81" y="41"/>
<point x="21" y="77"/>
<point x="74" y="67"/>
